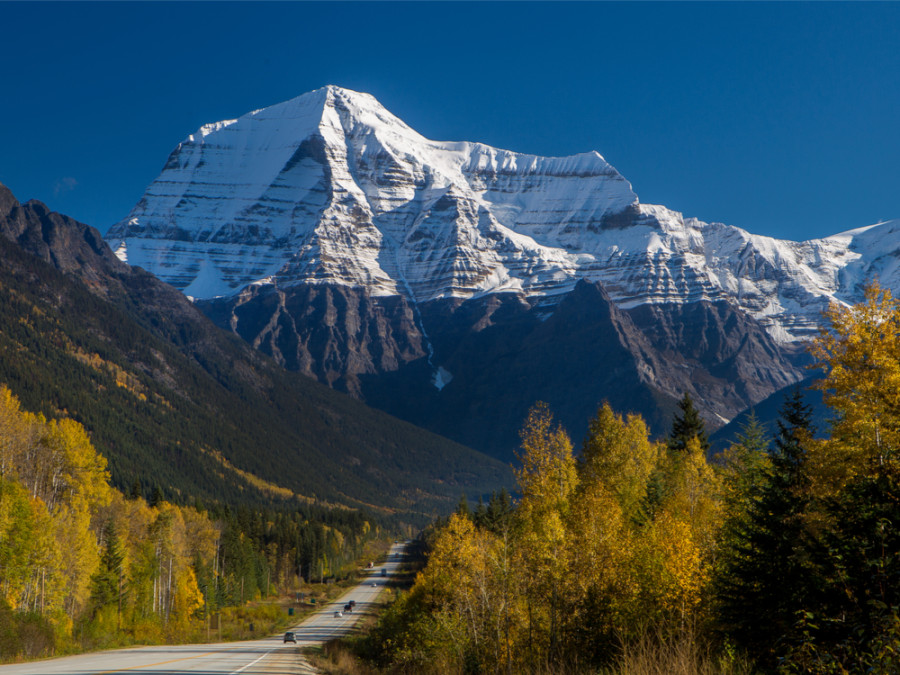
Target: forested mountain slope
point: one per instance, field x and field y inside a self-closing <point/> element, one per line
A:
<point x="172" y="401"/>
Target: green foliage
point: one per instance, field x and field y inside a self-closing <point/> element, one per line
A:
<point x="764" y="572"/>
<point x="849" y="618"/>
<point x="687" y="425"/>
<point x="496" y="516"/>
<point x="107" y="581"/>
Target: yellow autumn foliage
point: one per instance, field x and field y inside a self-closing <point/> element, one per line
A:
<point x="585" y="554"/>
<point x="861" y="357"/>
<point x="55" y="500"/>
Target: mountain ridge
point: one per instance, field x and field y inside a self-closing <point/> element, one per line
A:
<point x="170" y="399"/>
<point x="332" y="236"/>
<point x="330" y="187"/>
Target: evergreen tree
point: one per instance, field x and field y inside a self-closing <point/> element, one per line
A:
<point x="499" y="511"/>
<point x="687" y="425"/>
<point x="752" y="437"/>
<point x="156" y="497"/>
<point x="853" y="616"/>
<point x="765" y="573"/>
<point x="106" y="583"/>
<point x="495" y="515"/>
<point x="462" y="508"/>
<point x="480" y="515"/>
<point x="744" y="468"/>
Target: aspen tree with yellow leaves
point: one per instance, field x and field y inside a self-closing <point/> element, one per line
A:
<point x="547" y="481"/>
<point x="466" y="575"/>
<point x="617" y="452"/>
<point x="861" y="356"/>
<point x="590" y="565"/>
<point x="617" y="461"/>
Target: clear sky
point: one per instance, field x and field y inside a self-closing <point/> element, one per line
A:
<point x="780" y="118"/>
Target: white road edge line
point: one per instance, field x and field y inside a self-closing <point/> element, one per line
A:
<point x="243" y="668"/>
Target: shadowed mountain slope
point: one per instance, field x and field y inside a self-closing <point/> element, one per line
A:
<point x="171" y="400"/>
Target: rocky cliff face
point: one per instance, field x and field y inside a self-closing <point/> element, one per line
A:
<point x="470" y="368"/>
<point x="331" y="235"/>
<point x="332" y="333"/>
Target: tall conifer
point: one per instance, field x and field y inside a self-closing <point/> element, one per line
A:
<point x="106" y="583"/>
<point x="765" y="574"/>
<point x="687" y="425"/>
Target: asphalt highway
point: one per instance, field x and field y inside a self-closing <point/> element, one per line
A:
<point x="269" y="656"/>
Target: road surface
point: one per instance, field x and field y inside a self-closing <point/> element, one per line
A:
<point x="269" y="656"/>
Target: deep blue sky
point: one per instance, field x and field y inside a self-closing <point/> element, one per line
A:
<point x="781" y="118"/>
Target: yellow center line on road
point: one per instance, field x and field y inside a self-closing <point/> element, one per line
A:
<point x="184" y="658"/>
<point x="151" y="665"/>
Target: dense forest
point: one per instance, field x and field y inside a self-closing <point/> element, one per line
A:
<point x="82" y="565"/>
<point x="779" y="555"/>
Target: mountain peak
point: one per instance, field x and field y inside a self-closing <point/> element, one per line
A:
<point x="315" y="108"/>
<point x="361" y="98"/>
<point x="332" y="187"/>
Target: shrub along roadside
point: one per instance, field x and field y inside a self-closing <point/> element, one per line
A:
<point x="354" y="653"/>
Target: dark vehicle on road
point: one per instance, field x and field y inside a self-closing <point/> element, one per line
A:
<point x="289" y="637"/>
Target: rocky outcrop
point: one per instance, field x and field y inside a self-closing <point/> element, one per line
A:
<point x="470" y="369"/>
<point x="331" y="333"/>
<point x="57" y="239"/>
<point x="728" y="357"/>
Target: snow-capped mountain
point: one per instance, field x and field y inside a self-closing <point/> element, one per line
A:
<point x="330" y="187"/>
<point x="454" y="284"/>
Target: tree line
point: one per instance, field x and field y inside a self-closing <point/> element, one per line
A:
<point x="780" y="554"/>
<point x="83" y="565"/>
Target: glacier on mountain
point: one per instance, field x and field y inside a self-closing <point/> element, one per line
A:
<point x="330" y="187"/>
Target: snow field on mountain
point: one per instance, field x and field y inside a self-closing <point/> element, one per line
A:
<point x="330" y="187"/>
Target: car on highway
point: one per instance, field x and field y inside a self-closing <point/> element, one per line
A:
<point x="339" y="613"/>
<point x="289" y="637"/>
